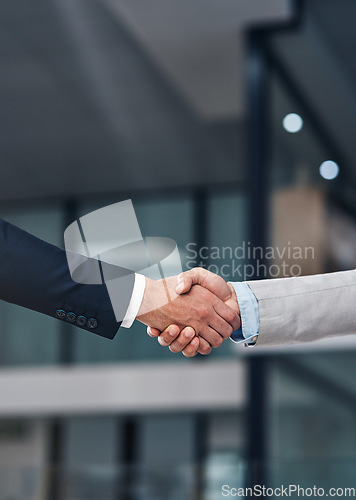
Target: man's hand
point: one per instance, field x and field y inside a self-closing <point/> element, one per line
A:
<point x="204" y="312"/>
<point x="210" y="281"/>
<point x="178" y="340"/>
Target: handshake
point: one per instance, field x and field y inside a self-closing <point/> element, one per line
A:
<point x="201" y="313"/>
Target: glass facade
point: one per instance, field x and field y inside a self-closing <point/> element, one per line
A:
<point x="42" y="335"/>
<point x="29" y="338"/>
<point x="198" y="451"/>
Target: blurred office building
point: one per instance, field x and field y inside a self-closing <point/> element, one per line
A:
<point x="231" y="125"/>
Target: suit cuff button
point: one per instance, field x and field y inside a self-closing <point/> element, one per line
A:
<point x="81" y="321"/>
<point x="60" y="314"/>
<point x="92" y="323"/>
<point x="71" y="317"/>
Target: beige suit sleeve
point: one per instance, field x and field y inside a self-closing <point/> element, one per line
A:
<point x="303" y="309"/>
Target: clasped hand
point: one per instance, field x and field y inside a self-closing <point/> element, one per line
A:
<point x="202" y="311"/>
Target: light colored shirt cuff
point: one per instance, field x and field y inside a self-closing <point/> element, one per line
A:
<point x="250" y="315"/>
<point x="136" y="301"/>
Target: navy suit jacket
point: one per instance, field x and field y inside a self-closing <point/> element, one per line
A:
<point x="35" y="274"/>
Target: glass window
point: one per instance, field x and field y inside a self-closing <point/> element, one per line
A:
<point x="313" y="438"/>
<point x="27" y="337"/>
<point x="134" y="343"/>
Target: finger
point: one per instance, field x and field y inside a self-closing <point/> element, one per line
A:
<point x="219" y="325"/>
<point x="153" y="332"/>
<point x="183" y="339"/>
<point x="205" y="278"/>
<point x="211" y="336"/>
<point x="192" y="348"/>
<point x="226" y="313"/>
<point x="168" y="335"/>
<point x="204" y="347"/>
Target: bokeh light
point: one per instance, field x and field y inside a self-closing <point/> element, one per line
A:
<point x="292" y="123"/>
<point x="329" y="170"/>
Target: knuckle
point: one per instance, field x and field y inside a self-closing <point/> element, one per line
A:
<point x="228" y="331"/>
<point x="204" y="312"/>
<point x="167" y="337"/>
<point x="205" y="349"/>
<point x="218" y="341"/>
<point x="230" y="315"/>
<point x="181" y="341"/>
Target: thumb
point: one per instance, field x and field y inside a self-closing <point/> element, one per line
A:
<point x="185" y="282"/>
<point x="205" y="278"/>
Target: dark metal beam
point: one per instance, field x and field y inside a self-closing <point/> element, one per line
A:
<point x="306" y="107"/>
<point x="258" y="182"/>
<point x="201" y="430"/>
<point x="340" y="189"/>
<point x="200" y="228"/>
<point x="128" y="457"/>
<point x="55" y="460"/>
<point x="65" y="357"/>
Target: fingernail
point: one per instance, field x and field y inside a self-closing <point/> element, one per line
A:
<point x="179" y="287"/>
<point x="195" y="342"/>
<point x="188" y="333"/>
<point x="172" y="332"/>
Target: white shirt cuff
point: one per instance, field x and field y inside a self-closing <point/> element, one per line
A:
<point x="135" y="302"/>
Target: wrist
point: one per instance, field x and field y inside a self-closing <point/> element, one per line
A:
<point x="232" y="301"/>
<point x="154" y="298"/>
<point x="147" y="301"/>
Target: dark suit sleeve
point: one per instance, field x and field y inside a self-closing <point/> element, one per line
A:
<point x="35" y="274"/>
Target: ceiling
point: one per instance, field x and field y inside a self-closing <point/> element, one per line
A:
<point x="198" y="46"/>
<point x="104" y="96"/>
